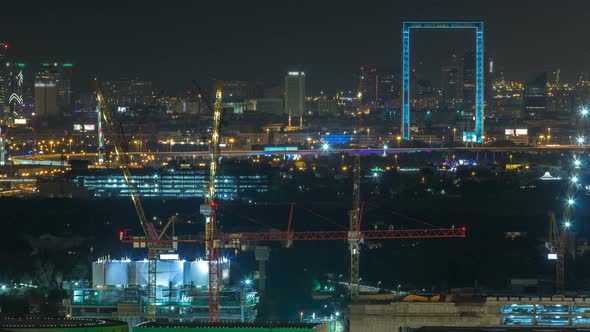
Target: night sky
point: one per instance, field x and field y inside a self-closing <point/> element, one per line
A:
<point x="175" y="42"/>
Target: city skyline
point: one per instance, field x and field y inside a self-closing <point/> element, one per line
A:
<point x="171" y="46"/>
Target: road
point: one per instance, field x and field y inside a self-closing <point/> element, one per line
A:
<point x="55" y="159"/>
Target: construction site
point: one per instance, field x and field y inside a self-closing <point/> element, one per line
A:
<point x="166" y="289"/>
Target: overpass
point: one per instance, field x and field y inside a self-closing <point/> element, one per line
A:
<point x="481" y="313"/>
<point x="55" y="159"/>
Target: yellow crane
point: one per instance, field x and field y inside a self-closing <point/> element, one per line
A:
<point x="354" y="237"/>
<point x="148" y="228"/>
<point x="212" y="242"/>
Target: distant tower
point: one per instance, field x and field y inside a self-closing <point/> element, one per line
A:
<point x="469" y="82"/>
<point x="15" y="91"/>
<point x="46" y="92"/>
<point x="295" y="93"/>
<point x="452" y="84"/>
<point x="4" y="76"/>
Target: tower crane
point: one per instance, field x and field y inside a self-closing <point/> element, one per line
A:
<point x="148" y="228"/>
<point x="355" y="213"/>
<point x="559" y="230"/>
<point x="208" y="207"/>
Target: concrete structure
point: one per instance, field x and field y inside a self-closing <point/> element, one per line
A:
<point x="487" y="312"/>
<point x="295" y="93"/>
<point x="265" y="105"/>
<point x="58" y="325"/>
<point x="234" y="327"/>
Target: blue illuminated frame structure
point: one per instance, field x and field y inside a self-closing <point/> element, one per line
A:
<point x="479" y="69"/>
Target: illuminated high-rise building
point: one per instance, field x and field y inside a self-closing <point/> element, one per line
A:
<point x="125" y="93"/>
<point x="295" y="93"/>
<point x="46" y="92"/>
<point x="4" y="76"/>
<point x="15" y="90"/>
<point x="469" y="82"/>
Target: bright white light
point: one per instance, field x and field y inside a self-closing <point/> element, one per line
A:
<point x="574" y="179"/>
<point x="247" y="281"/>
<point x="584" y="111"/>
<point x="325" y="147"/>
<point x="580" y="140"/>
<point x="570" y="201"/>
<point x="384" y="147"/>
<point x="551" y="256"/>
<point x="577" y="162"/>
<point x="375" y="174"/>
<point x="567" y="224"/>
<point x="337" y="314"/>
<point x="224" y="260"/>
<point x="3" y="286"/>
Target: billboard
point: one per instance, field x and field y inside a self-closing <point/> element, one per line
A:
<point x="89" y="127"/>
<point x="509" y="132"/>
<point x="521" y="132"/>
<point x="20" y="121"/>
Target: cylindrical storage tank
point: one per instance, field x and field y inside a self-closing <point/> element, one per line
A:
<point x="138" y="273"/>
<point x="170" y="272"/>
<point x="116" y="273"/>
<point x="198" y="273"/>
<point x="98" y="274"/>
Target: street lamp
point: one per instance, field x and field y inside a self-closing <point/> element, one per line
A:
<point x="454" y="133"/>
<point x="399" y="139"/>
<point x="510" y="158"/>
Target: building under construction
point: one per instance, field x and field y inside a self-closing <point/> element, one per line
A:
<point x="119" y="291"/>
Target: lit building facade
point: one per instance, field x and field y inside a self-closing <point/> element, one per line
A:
<point x="127" y="93"/>
<point x="4" y="77"/>
<point x="172" y="183"/>
<point x="295" y="93"/>
<point x="45" y="93"/>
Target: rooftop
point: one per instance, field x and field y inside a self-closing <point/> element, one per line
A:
<point x="259" y="325"/>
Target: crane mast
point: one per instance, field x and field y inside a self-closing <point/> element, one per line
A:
<point x="149" y="232"/>
<point x="354" y="235"/>
<point x="208" y="210"/>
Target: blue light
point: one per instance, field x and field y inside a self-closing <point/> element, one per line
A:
<point x="479" y="69"/>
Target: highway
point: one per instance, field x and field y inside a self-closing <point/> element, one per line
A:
<point x="55" y="159"/>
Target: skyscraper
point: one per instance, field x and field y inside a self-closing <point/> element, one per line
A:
<point x="368" y="85"/>
<point x="295" y="93"/>
<point x="127" y="93"/>
<point x="4" y="75"/>
<point x="46" y="93"/>
<point x="469" y="82"/>
<point x="15" y="90"/>
<point x="64" y="84"/>
<point x="452" y="84"/>
<point x="535" y="95"/>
